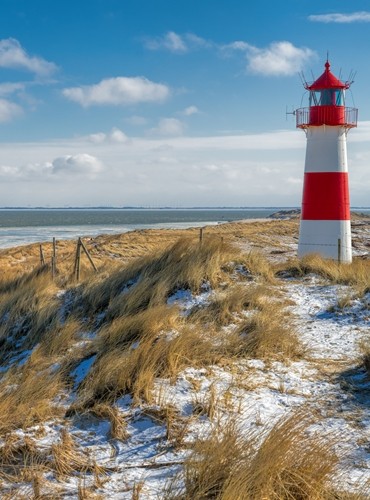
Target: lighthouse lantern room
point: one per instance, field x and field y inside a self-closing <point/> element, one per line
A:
<point x="325" y="226"/>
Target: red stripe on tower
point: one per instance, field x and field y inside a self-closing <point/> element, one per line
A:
<point x="325" y="196"/>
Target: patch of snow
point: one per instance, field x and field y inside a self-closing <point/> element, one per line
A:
<point x="187" y="300"/>
<point x="328" y="335"/>
<point x="80" y="372"/>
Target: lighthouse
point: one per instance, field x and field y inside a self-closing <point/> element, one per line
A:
<point x="325" y="226"/>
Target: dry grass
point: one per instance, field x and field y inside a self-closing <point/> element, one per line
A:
<point x="27" y="308"/>
<point x="27" y="398"/>
<point x="60" y="337"/>
<point x="67" y="458"/>
<point x="267" y="334"/>
<point x="284" y="466"/>
<point x="139" y="338"/>
<point x="118" y="424"/>
<point x="356" y="274"/>
<point x="143" y="338"/>
<point x="126" y="330"/>
<point x="149" y="281"/>
<point x="134" y="370"/>
<point x="20" y="459"/>
<point x="126" y="247"/>
<point x="227" y="305"/>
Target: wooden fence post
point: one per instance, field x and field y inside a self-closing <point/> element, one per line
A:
<point x="54" y="259"/>
<point x="201" y="235"/>
<point x="88" y="255"/>
<point x="76" y="269"/>
<point x="42" y="258"/>
<point x="339" y="250"/>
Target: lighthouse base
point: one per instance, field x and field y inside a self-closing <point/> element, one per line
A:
<point x="329" y="238"/>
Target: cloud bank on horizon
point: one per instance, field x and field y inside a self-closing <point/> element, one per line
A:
<point x="167" y="126"/>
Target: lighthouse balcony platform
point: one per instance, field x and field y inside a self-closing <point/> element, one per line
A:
<point x="315" y="116"/>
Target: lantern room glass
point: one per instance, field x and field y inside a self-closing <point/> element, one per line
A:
<point x="327" y="97"/>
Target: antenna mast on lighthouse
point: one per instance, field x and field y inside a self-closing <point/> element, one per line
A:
<point x="325" y="226"/>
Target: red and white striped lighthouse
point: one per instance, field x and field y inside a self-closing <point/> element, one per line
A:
<point x="325" y="226"/>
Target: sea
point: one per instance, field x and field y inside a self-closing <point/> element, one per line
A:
<point x="24" y="226"/>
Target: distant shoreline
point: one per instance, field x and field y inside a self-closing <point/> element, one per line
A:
<point x="168" y="208"/>
<point x="149" y="208"/>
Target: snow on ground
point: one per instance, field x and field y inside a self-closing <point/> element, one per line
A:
<point x="329" y="379"/>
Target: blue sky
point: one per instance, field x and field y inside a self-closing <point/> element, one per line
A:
<point x="182" y="103"/>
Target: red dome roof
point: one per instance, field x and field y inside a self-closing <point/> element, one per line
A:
<point x="327" y="81"/>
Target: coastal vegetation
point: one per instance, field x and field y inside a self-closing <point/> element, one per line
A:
<point x="203" y="343"/>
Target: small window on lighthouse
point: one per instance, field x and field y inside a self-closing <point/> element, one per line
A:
<point x="314" y="98"/>
<point x="327" y="97"/>
<point x="339" y="97"/>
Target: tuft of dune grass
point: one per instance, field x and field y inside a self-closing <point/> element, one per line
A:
<point x="290" y="462"/>
<point x="134" y="369"/>
<point x="226" y="305"/>
<point x="28" y="398"/>
<point x="149" y="281"/>
<point x="356" y="274"/>
<point x="28" y="306"/>
<point x="267" y="334"/>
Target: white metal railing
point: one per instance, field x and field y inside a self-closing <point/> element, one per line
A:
<point x="326" y="115"/>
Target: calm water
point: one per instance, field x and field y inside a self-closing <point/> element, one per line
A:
<point x="19" y="227"/>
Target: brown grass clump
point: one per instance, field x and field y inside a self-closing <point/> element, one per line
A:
<point x="356" y="274"/>
<point x="27" y="398"/>
<point x="149" y="281"/>
<point x="223" y="308"/>
<point x="20" y="459"/>
<point x="28" y="306"/>
<point x="284" y="466"/>
<point x="133" y="370"/>
<point x="210" y="464"/>
<point x="67" y="459"/>
<point x="118" y="424"/>
<point x="60" y="337"/>
<point x="126" y="330"/>
<point x="267" y="334"/>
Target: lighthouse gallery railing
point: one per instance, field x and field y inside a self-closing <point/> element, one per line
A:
<point x="326" y="115"/>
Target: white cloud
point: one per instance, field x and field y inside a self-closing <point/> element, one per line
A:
<point x="354" y="17"/>
<point x="136" y="120"/>
<point x="62" y="167"/>
<point x="171" y="127"/>
<point x="190" y="110"/>
<point x="279" y="58"/>
<point x="173" y="42"/>
<point x="119" y="90"/>
<point x="170" y="41"/>
<point x="118" y="136"/>
<point x="98" y="137"/>
<point x="114" y="136"/>
<point x="9" y="110"/>
<point x="238" y="45"/>
<point x="77" y="164"/>
<point x="12" y="55"/>
<point x="9" y="88"/>
<point x="245" y="169"/>
<point x="196" y="41"/>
